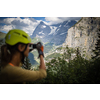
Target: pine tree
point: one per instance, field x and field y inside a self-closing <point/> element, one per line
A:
<point x="78" y="53"/>
<point x="97" y="48"/>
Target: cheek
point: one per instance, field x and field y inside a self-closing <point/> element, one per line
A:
<point x="27" y="52"/>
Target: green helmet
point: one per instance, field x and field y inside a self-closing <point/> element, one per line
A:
<point x="15" y="36"/>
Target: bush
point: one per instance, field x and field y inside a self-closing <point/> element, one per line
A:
<point x="76" y="71"/>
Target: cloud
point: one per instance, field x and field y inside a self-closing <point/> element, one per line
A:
<point x="6" y="28"/>
<point x="29" y="24"/>
<point x="19" y="23"/>
<point x="33" y="20"/>
<point x="26" y="24"/>
<point x="56" y="20"/>
<point x="8" y="21"/>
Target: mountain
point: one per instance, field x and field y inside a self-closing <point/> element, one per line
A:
<point x="32" y="60"/>
<point x="41" y="31"/>
<point x="53" y="33"/>
<point x="84" y="35"/>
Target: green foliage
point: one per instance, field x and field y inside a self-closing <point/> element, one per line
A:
<point x="48" y="47"/>
<point x="97" y="48"/>
<point x="2" y="35"/>
<point x="59" y="48"/>
<point x="76" y="71"/>
<point x="53" y="56"/>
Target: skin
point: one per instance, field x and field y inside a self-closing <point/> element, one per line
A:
<point x="18" y="57"/>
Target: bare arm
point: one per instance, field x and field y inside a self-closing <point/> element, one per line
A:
<point x="42" y="64"/>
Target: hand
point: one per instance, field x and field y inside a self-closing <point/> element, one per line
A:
<point x="40" y="49"/>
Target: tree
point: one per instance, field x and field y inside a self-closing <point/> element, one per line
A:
<point x="97" y="48"/>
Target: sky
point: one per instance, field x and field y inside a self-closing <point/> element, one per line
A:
<point x="28" y="24"/>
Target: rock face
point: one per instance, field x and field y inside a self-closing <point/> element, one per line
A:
<point x="84" y="35"/>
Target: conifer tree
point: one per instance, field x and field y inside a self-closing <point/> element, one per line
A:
<point x="78" y="53"/>
<point x="97" y="48"/>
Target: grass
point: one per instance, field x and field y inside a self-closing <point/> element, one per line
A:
<point x="53" y="56"/>
<point x="2" y="35"/>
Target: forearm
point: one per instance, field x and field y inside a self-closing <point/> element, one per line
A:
<point x="42" y="64"/>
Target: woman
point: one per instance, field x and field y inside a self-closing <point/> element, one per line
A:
<point x="13" y="53"/>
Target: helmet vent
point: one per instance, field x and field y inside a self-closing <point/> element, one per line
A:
<point x="24" y="36"/>
<point x="17" y="33"/>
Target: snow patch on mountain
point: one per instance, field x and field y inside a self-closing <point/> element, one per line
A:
<point x="58" y="29"/>
<point x="66" y="25"/>
<point x="60" y="25"/>
<point x="69" y="20"/>
<point x="43" y="26"/>
<point x="63" y="33"/>
<point x="39" y="36"/>
<point x="41" y="32"/>
<point x="53" y="29"/>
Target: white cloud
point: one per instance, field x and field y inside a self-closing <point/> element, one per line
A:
<point x="29" y="24"/>
<point x="26" y="24"/>
<point x="6" y="28"/>
<point x="56" y="20"/>
<point x="9" y="20"/>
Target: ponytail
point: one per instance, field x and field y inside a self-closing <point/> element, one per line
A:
<point x="5" y="55"/>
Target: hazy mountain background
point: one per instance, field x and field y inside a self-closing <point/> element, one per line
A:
<point x="55" y="34"/>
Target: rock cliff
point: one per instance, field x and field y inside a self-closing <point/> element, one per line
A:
<point x="84" y="35"/>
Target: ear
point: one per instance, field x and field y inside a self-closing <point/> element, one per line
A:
<point x="21" y="47"/>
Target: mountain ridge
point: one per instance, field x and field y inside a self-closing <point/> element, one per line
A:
<point x="53" y="33"/>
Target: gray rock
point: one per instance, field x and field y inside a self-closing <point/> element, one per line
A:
<point x="84" y="35"/>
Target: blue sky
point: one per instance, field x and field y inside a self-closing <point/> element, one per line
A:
<point x="28" y="24"/>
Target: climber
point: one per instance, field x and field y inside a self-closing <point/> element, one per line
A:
<point x="13" y="54"/>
